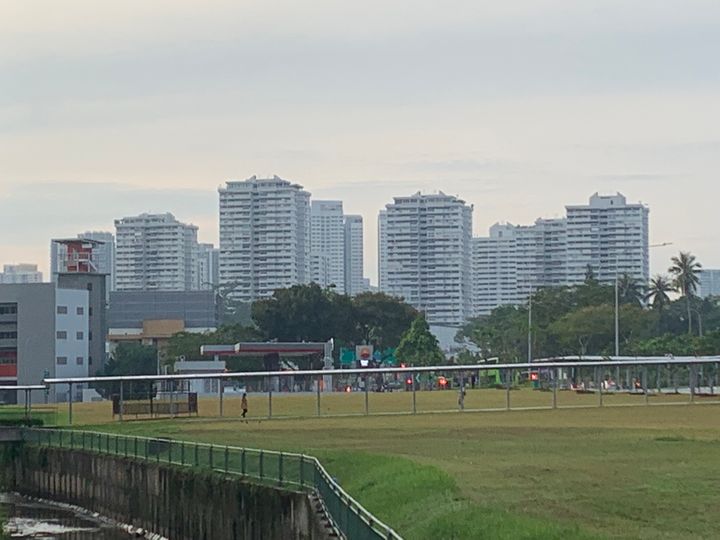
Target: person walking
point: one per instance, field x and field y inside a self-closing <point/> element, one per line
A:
<point x="244" y="406"/>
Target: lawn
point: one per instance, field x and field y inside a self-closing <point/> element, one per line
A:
<point x="615" y="472"/>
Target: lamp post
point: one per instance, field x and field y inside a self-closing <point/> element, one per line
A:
<point x="617" y="297"/>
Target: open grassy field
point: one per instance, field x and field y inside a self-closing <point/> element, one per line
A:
<point x="615" y="472"/>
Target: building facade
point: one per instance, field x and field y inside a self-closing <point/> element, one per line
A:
<point x="327" y="244"/>
<point x="100" y="244"/>
<point x="44" y="332"/>
<point x="264" y="236"/>
<point x="608" y="236"/>
<point x="425" y="248"/>
<point x="208" y="271"/>
<point x="155" y="252"/>
<point x="20" y="273"/>
<point x="709" y="283"/>
<point x="355" y="282"/>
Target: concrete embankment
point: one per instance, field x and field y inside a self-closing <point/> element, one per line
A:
<point x="175" y="502"/>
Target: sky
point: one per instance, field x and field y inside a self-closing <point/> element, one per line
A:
<point x="109" y="109"/>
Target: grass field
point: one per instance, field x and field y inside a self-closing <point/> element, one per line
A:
<point x="615" y="472"/>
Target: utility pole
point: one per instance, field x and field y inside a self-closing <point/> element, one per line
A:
<point x="529" y="337"/>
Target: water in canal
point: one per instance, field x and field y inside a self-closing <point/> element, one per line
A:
<point x="27" y="519"/>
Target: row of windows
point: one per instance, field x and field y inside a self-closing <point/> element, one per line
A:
<point x="8" y="309"/>
<point x="8" y="335"/>
<point x="62" y="334"/>
<point x="62" y="360"/>
<point x="63" y="310"/>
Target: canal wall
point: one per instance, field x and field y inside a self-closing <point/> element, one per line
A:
<point x="176" y="502"/>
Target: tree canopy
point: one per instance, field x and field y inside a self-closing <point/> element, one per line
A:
<point x="418" y="346"/>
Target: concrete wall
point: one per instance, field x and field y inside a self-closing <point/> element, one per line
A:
<point x="178" y="503"/>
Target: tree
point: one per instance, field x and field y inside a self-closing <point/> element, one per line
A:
<point x="657" y="293"/>
<point x="129" y="359"/>
<point x="381" y="320"/>
<point x="502" y="334"/>
<point x="187" y="344"/>
<point x="686" y="271"/>
<point x="630" y="290"/>
<point x="418" y="346"/>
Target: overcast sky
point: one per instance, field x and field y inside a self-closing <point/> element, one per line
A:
<point x="110" y="109"/>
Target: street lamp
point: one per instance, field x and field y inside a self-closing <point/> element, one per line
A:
<point x="617" y="297"/>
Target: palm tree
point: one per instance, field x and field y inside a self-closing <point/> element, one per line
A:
<point x="686" y="271"/>
<point x="658" y="291"/>
<point x="630" y="290"/>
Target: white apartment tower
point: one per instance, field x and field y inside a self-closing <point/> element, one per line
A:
<point x="425" y="255"/>
<point x="709" y="283"/>
<point x="327" y="244"/>
<point x="207" y="267"/>
<point x="610" y="236"/>
<point x="354" y="256"/>
<point x="382" y="251"/>
<point x="264" y="236"/>
<point x="607" y="235"/>
<point x="155" y="252"/>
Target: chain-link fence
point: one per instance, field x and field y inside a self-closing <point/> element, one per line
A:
<point x="283" y="469"/>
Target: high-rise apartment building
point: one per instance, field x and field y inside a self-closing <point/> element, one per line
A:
<point x="608" y="235"/>
<point x="208" y="272"/>
<point x="264" y="236"/>
<point x="103" y="259"/>
<point x="354" y="256"/>
<point x="327" y="244"/>
<point x="709" y="283"/>
<point x="20" y="273"/>
<point x="155" y="252"/>
<point x="425" y="252"/>
<point x="382" y="251"/>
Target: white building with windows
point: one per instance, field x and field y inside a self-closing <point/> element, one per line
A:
<point x="264" y="236"/>
<point x="608" y="235"/>
<point x="20" y="273"/>
<point x="208" y="271"/>
<point x="709" y="283"/>
<point x="155" y="252"/>
<point x="425" y="255"/>
<point x="327" y="244"/>
<point x="355" y="282"/>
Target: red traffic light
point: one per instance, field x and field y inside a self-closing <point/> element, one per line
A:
<point x="408" y="381"/>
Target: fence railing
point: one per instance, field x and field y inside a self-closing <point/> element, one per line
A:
<point x="283" y="469"/>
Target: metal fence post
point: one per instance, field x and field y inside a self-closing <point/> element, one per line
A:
<point x="692" y="380"/>
<point x="242" y="462"/>
<point x="197" y="455"/>
<point x="556" y="377"/>
<point x="508" y="378"/>
<point x="598" y="384"/>
<point x="645" y="384"/>
<point x="220" y="394"/>
<point x="120" y="415"/>
<point x="414" y="391"/>
<point x="70" y="402"/>
<point x="367" y="397"/>
<point x="261" y="464"/>
<point x="135" y="447"/>
<point x="227" y="458"/>
<point x="210" y="451"/>
<point x="182" y="453"/>
<point x="269" y="398"/>
<point x="318" y="394"/>
<point x="302" y="470"/>
<point x="280" y="469"/>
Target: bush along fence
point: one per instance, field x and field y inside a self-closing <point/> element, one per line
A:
<point x="282" y="469"/>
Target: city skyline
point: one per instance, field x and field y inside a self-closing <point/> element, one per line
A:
<point x="519" y="109"/>
<point x="370" y="240"/>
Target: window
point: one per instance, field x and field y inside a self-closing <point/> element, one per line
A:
<point x="8" y="335"/>
<point x="89" y="286"/>
<point x="90" y="312"/>
<point x="89" y="360"/>
<point x="61" y="360"/>
<point x="89" y="336"/>
<point x="79" y="336"/>
<point x="80" y="310"/>
<point x="61" y="334"/>
<point x="62" y="310"/>
<point x="80" y="360"/>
